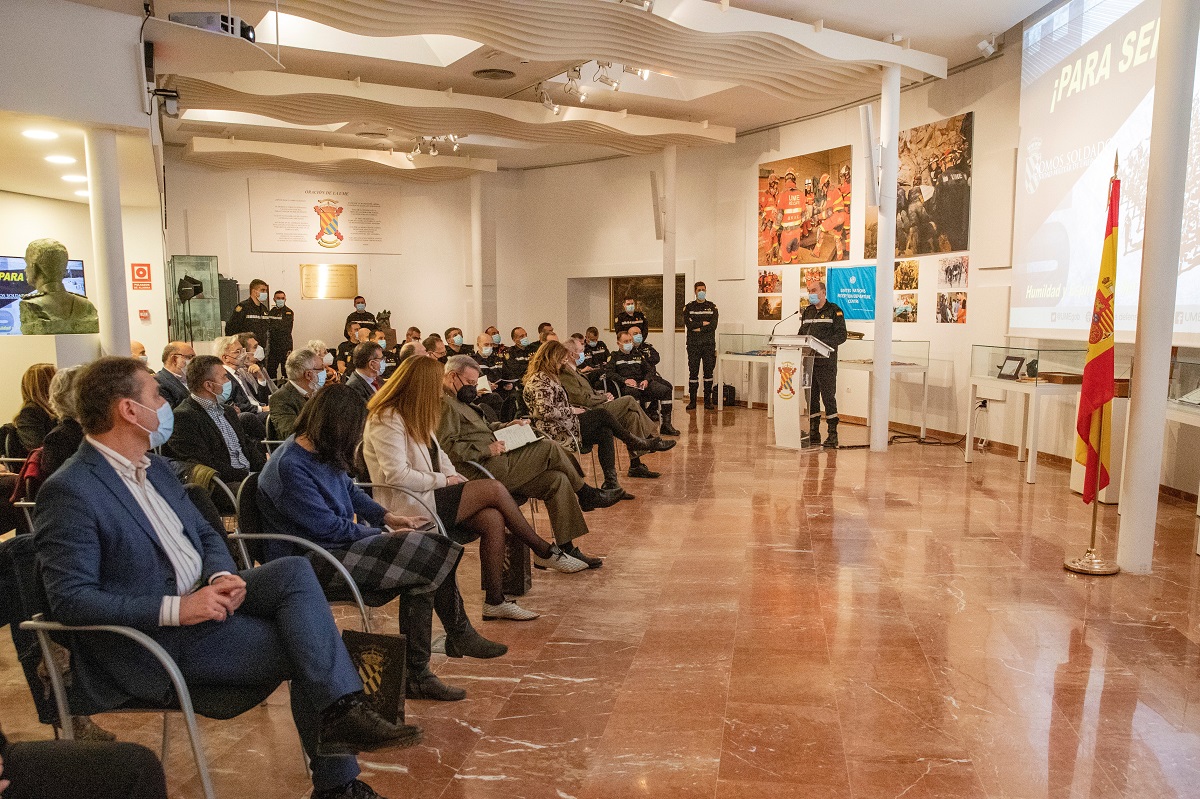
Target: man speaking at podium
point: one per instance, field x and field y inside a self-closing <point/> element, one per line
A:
<point x="823" y="320"/>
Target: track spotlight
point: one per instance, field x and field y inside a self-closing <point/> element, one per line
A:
<point x="644" y="5"/>
<point x="987" y="47"/>
<point x="644" y="74"/>
<point x="603" y="77"/>
<point x="543" y="97"/>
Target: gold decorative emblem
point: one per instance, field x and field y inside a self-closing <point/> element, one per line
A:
<point x="787" y="388"/>
<point x="370" y="669"/>
<point x="327" y="212"/>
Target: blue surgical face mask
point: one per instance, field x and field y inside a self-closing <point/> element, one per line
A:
<point x="593" y="343"/>
<point x="638" y="338"/>
<point x="360" y="306"/>
<point x="700" y="295"/>
<point x="580" y="358"/>
<point x="495" y="338"/>
<point x="486" y="352"/>
<point x="226" y="391"/>
<point x="629" y="306"/>
<point x="280" y="303"/>
<point x="263" y="297"/>
<point x="458" y="341"/>
<point x="320" y="378"/>
<point x="166" y="423"/>
<point x="812" y="299"/>
<point x="627" y="347"/>
<point x="525" y="341"/>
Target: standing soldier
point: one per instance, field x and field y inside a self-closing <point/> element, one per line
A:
<point x="825" y="321"/>
<point x="280" y="342"/>
<point x="629" y="317"/>
<point x="361" y="315"/>
<point x="700" y="320"/>
<point x="252" y="315"/>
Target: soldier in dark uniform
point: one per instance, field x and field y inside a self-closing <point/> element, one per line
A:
<point x="631" y="369"/>
<point x="825" y="321"/>
<point x="629" y="317"/>
<point x="516" y="361"/>
<point x="252" y="315"/>
<point x="361" y="315"/>
<point x="491" y="366"/>
<point x="456" y="344"/>
<point x="596" y="355"/>
<point x="700" y="321"/>
<point x="280" y="342"/>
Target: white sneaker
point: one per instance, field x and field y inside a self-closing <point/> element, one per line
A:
<point x="560" y="561"/>
<point x="507" y="610"/>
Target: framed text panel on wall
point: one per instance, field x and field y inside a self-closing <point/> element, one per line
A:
<point x="320" y="216"/>
<point x="328" y="281"/>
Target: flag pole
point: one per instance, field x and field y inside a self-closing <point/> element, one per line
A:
<point x="1091" y="563"/>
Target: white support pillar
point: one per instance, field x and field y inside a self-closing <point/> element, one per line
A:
<point x="889" y="137"/>
<point x="108" y="246"/>
<point x="1173" y="87"/>
<point x="476" y="315"/>
<point x="667" y="348"/>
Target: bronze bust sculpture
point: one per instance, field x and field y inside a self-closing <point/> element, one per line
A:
<point x="50" y="309"/>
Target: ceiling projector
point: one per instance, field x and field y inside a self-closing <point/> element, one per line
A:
<point x="215" y="22"/>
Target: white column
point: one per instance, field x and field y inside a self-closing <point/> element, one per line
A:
<point x="476" y="315"/>
<point x="667" y="348"/>
<point x="1174" y="78"/>
<point x="108" y="246"/>
<point x="889" y="137"/>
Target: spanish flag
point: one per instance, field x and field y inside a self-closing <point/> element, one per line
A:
<point x="1093" y="426"/>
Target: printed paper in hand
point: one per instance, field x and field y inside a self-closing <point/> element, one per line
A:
<point x="516" y="436"/>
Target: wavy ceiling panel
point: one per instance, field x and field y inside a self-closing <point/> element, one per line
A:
<point x="320" y="108"/>
<point x="551" y="30"/>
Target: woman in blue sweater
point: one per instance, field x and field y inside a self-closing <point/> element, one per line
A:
<point x="306" y="490"/>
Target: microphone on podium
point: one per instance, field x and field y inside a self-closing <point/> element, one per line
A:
<point x="784" y="319"/>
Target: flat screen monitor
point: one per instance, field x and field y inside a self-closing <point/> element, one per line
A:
<point x="13" y="286"/>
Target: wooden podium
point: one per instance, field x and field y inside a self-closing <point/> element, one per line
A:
<point x="791" y="381"/>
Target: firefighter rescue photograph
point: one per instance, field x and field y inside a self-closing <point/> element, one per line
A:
<point x="804" y="209"/>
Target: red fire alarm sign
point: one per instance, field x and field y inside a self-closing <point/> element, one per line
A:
<point x="140" y="277"/>
<point x="144" y="315"/>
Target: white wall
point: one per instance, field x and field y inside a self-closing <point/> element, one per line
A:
<point x="425" y="285"/>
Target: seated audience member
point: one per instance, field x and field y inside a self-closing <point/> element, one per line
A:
<point x="661" y="390"/>
<point x="596" y="363"/>
<point x="35" y="419"/>
<point x="391" y="355"/>
<point x="138" y="350"/>
<point x="632" y="422"/>
<point x="543" y="329"/>
<point x="306" y="490"/>
<point x="434" y="347"/>
<point x="491" y="366"/>
<point x="79" y="770"/>
<point x="254" y="375"/>
<point x="207" y="430"/>
<point x="62" y="442"/>
<point x="516" y="360"/>
<point x="345" y="351"/>
<point x="318" y="346"/>
<point x="368" y="366"/>
<point x="172" y="378"/>
<point x="251" y="411"/>
<point x="412" y="349"/>
<point x="541" y="470"/>
<point x="401" y="450"/>
<point x="119" y="542"/>
<point x="629" y="369"/>
<point x="455" y="344"/>
<point x="497" y="340"/>
<point x="573" y="427"/>
<point x="412" y="334"/>
<point x="306" y="374"/>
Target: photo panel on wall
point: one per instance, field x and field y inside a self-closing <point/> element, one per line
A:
<point x="905" y="307"/>
<point x="952" y="271"/>
<point x="908" y="275"/>
<point x="804" y="209"/>
<point x="770" y="308"/>
<point x="951" y="308"/>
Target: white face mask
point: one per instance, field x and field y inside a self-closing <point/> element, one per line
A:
<point x="328" y="359"/>
<point x="259" y="353"/>
<point x="486" y="352"/>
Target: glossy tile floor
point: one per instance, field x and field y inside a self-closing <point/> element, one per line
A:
<point x="774" y="626"/>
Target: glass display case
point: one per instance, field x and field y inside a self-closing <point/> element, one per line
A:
<point x="1185" y="380"/>
<point x="1062" y="364"/>
<point x="194" y="307"/>
<point x="744" y="344"/>
<point x="910" y="354"/>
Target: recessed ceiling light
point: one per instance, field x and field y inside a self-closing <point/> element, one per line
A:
<point x="60" y="159"/>
<point x="40" y="135"/>
<point x="75" y="178"/>
<point x="83" y="193"/>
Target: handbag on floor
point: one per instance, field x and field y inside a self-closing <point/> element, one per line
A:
<point x="379" y="659"/>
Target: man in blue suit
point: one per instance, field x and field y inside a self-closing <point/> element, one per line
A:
<point x="119" y="542"/>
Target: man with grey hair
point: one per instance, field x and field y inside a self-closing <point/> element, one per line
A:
<point x="251" y="412"/>
<point x="541" y="470"/>
<point x="305" y="374"/>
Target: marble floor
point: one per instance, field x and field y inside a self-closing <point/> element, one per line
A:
<point x="782" y="627"/>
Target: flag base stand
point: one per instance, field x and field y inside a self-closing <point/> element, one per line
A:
<point x="1091" y="563"/>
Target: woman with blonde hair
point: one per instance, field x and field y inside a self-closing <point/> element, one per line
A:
<point x="61" y="442"/>
<point x="36" y="417"/>
<point x="400" y="449"/>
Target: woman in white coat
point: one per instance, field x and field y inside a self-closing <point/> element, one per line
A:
<point x="400" y="449"/>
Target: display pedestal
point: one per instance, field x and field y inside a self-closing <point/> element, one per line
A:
<point x="755" y="361"/>
<point x="1033" y="392"/>
<point x="1111" y="494"/>
<point x="897" y="370"/>
<point x="790" y="384"/>
<point x="1183" y="413"/>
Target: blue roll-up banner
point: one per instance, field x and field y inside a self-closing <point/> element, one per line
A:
<point x="853" y="289"/>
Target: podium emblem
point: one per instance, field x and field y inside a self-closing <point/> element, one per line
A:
<point x="787" y="385"/>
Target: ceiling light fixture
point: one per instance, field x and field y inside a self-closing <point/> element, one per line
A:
<point x="40" y="135"/>
<point x="75" y="178"/>
<point x="644" y="5"/>
<point x="644" y="74"/>
<point x="602" y="76"/>
<point x="83" y="193"/>
<point x="543" y="97"/>
<point x="987" y="47"/>
<point x="60" y="159"/>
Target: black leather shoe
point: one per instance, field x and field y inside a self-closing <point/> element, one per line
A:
<point x="661" y="444"/>
<point x="355" y="789"/>
<point x="831" y="442"/>
<point x="358" y="728"/>
<point x="641" y="471"/>
<point x="668" y="430"/>
<point x="592" y="498"/>
<point x="428" y="686"/>
<point x="473" y="645"/>
<point x="691" y="406"/>
<point x="576" y="552"/>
